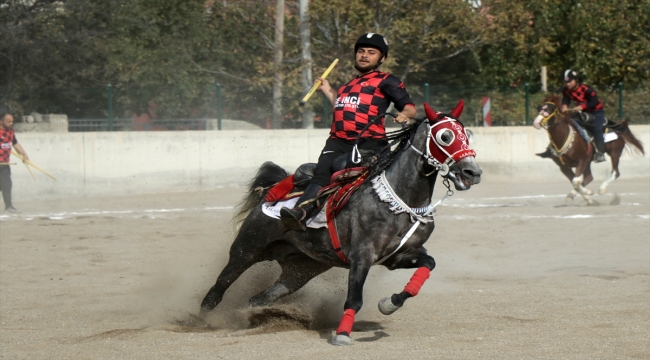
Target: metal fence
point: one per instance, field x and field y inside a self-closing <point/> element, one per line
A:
<point x="132" y="124"/>
<point x="204" y="107"/>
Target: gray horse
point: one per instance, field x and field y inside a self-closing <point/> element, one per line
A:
<point x="386" y="221"/>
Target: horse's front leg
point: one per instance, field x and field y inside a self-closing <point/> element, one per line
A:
<point x="424" y="263"/>
<point x="583" y="176"/>
<point x="568" y="172"/>
<point x="359" y="267"/>
<point x="586" y="193"/>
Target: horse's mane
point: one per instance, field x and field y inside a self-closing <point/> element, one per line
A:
<point x="555" y="99"/>
<point x="397" y="140"/>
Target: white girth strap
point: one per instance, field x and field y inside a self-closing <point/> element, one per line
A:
<point x="401" y="243"/>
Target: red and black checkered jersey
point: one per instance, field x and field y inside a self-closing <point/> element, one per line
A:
<point x="584" y="96"/>
<point x="7" y="140"/>
<point x="363" y="98"/>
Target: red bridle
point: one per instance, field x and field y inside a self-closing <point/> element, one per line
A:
<point x="447" y="139"/>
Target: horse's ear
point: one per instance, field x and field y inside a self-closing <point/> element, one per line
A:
<point x="431" y="114"/>
<point x="458" y="109"/>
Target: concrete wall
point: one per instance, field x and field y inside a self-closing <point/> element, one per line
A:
<point x="121" y="163"/>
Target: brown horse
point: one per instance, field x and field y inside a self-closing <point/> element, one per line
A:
<point x="570" y="150"/>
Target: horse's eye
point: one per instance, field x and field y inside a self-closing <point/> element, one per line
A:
<point x="445" y="137"/>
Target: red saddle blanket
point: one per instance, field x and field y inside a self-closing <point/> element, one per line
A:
<point x="285" y="189"/>
<point x="343" y="184"/>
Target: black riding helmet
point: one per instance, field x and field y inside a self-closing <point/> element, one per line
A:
<point x="569" y="75"/>
<point x="372" y="40"/>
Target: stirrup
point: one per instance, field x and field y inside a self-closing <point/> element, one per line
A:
<point x="599" y="157"/>
<point x="293" y="219"/>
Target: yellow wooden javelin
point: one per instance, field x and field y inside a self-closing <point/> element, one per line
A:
<point x="30" y="171"/>
<point x="27" y="162"/>
<point x="317" y="83"/>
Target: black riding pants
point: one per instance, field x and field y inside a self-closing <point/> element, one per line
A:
<point x="5" y="184"/>
<point x="597" y="129"/>
<point x="333" y="149"/>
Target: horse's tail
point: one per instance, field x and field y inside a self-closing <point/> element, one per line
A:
<point x="633" y="144"/>
<point x="268" y="174"/>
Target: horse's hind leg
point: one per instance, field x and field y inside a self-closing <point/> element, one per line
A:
<point x="296" y="272"/>
<point x="245" y="251"/>
<point x="236" y="266"/>
<point x="615" y="151"/>
<point x="416" y="258"/>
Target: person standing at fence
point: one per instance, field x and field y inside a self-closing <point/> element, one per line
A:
<point x="7" y="141"/>
<point x="355" y="104"/>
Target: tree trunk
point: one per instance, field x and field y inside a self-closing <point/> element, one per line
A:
<point x="277" y="64"/>
<point x="307" y="81"/>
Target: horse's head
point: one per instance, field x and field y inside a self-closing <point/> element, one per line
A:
<point x="549" y="112"/>
<point x="448" y="149"/>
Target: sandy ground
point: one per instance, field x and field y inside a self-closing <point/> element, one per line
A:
<point x="520" y="275"/>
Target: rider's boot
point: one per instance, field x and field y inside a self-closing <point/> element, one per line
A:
<point x="600" y="150"/>
<point x="295" y="219"/>
<point x="545" y="154"/>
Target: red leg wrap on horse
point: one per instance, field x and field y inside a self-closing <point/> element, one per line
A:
<point x="421" y="275"/>
<point x="346" y="322"/>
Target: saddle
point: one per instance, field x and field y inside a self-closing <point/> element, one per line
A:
<point x="344" y="172"/>
<point x="584" y="122"/>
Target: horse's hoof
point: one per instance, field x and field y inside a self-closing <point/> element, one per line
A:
<point x="386" y="306"/>
<point x="602" y="191"/>
<point x="203" y="313"/>
<point x="592" y="203"/>
<point x="341" y="340"/>
<point x="588" y="192"/>
<point x="569" y="198"/>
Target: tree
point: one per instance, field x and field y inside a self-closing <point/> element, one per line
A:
<point x="49" y="50"/>
<point x="608" y="42"/>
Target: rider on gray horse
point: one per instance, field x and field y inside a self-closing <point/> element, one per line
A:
<point x="586" y="101"/>
<point x="355" y="104"/>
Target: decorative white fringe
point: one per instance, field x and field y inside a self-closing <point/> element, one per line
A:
<point x="386" y="194"/>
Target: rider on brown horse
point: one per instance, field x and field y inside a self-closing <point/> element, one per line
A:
<point x="355" y="105"/>
<point x="587" y="101"/>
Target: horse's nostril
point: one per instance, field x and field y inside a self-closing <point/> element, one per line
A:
<point x="470" y="173"/>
